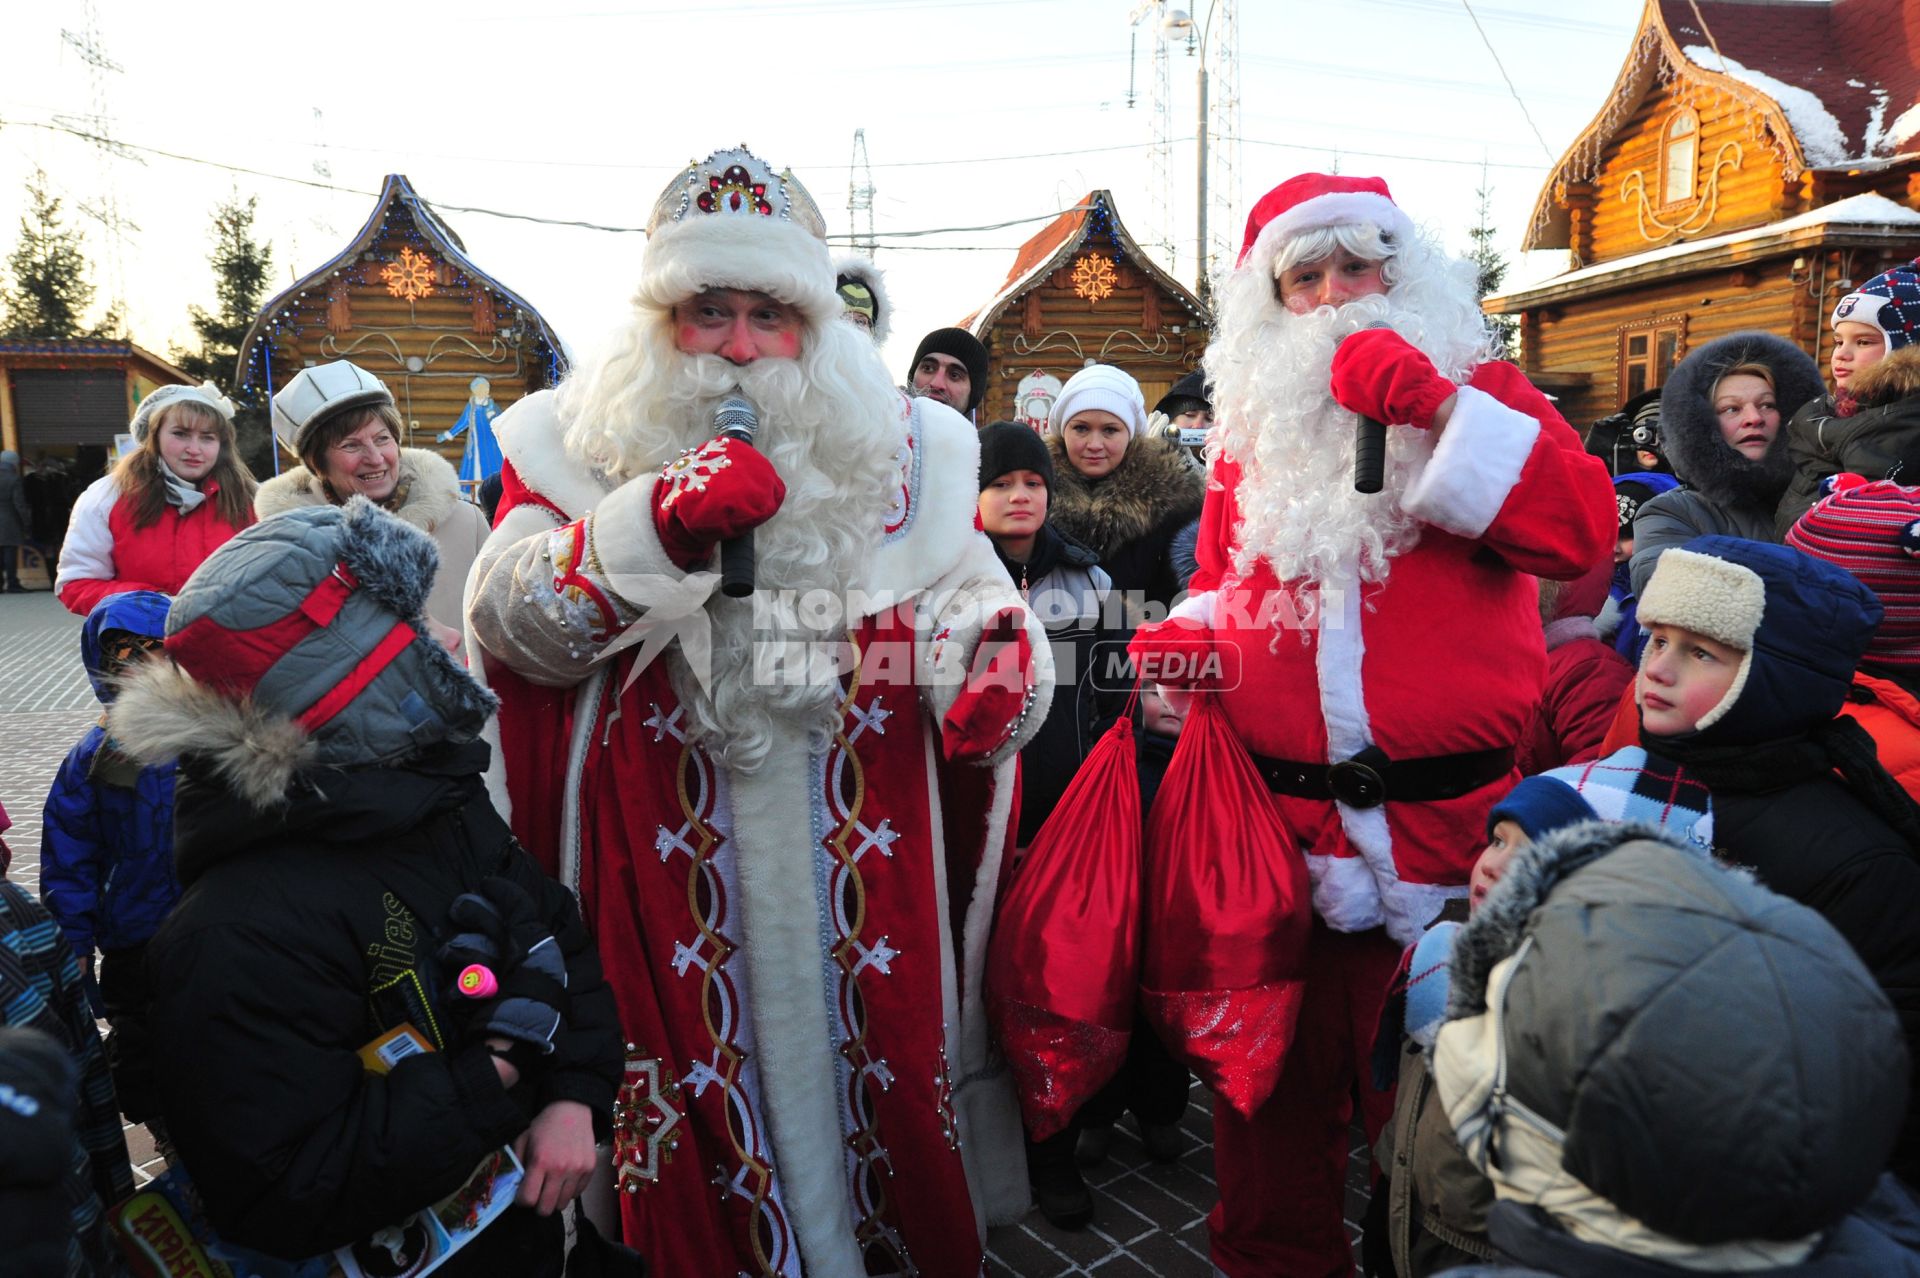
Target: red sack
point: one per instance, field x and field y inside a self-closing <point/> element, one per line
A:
<point x="1064" y="958"/>
<point x="1227" y="911"/>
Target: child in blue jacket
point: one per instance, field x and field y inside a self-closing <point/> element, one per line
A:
<point x="106" y="853"/>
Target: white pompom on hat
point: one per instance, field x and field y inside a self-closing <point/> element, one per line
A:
<point x="205" y="394"/>
<point x="1314" y="200"/>
<point x="1102" y="387"/>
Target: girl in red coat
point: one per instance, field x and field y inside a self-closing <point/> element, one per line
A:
<point x="149" y="522"/>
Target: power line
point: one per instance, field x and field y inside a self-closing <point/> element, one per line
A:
<point x="887" y="236"/>
<point x="1509" y="79"/>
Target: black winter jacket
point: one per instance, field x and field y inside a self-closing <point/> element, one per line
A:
<point x="304" y="933"/>
<point x="1813" y="841"/>
<point x="1070" y="593"/>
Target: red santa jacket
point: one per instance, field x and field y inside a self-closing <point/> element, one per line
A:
<point x="104" y="554"/>
<point x="1585" y="678"/>
<point x="1446" y="657"/>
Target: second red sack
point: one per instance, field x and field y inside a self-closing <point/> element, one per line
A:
<point x="1226" y="911"/>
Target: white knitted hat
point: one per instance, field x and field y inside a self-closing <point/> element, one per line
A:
<point x="1102" y="387"/>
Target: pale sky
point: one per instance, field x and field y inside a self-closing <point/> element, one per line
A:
<point x="583" y="109"/>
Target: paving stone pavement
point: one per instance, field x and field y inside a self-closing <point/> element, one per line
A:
<point x="1149" y="1219"/>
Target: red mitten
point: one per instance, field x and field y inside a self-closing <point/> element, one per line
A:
<point x="988" y="708"/>
<point x="708" y="494"/>
<point x="1176" y="653"/>
<point x="1380" y="374"/>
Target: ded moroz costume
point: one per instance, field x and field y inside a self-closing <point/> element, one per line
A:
<point x="1382" y="653"/>
<point x="790" y="879"/>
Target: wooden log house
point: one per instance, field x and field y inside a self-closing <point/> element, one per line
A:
<point x="1081" y="292"/>
<point x="403" y="301"/>
<point x="1753" y="161"/>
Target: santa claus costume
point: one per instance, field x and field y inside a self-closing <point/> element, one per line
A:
<point x="1381" y="653"/>
<point x="784" y="815"/>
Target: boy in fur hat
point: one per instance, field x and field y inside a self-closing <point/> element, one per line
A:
<point x="341" y="866"/>
<point x="1752" y="649"/>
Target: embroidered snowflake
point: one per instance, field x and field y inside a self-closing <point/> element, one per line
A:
<point x="690" y="471"/>
<point x="410" y="277"/>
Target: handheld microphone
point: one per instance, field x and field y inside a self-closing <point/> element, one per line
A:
<point x="1370" y="447"/>
<point x="736" y="418"/>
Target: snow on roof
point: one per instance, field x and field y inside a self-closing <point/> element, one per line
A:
<point x="1822" y="140"/>
<point x="1856" y="210"/>
<point x="1837" y="70"/>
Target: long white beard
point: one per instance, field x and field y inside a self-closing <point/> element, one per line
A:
<point x="831" y="424"/>
<point x="1279" y="423"/>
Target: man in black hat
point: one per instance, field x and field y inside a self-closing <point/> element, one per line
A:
<point x="1184" y="415"/>
<point x="950" y="365"/>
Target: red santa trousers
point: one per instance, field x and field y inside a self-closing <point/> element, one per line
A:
<point x="1282" y="1173"/>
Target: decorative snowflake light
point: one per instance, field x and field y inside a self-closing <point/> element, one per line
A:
<point x="1093" y="278"/>
<point x="410" y="277"/>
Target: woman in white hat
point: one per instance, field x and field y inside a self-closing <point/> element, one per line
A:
<point x="1117" y="489"/>
<point x="341" y="421"/>
<point x="177" y="497"/>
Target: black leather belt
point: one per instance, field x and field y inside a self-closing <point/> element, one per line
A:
<point x="1370" y="778"/>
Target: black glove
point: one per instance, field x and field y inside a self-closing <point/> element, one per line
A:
<point x="501" y="931"/>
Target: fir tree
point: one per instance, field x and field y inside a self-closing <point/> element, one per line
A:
<point x="1492" y="270"/>
<point x="240" y="266"/>
<point x="49" y="290"/>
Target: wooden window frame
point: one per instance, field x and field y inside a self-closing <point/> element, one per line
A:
<point x="1625" y="361"/>
<point x="1668" y="198"/>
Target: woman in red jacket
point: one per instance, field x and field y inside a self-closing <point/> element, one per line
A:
<point x="149" y="522"/>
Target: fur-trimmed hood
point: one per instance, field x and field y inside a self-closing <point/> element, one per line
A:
<point x="431" y="485"/>
<point x="1641" y="1042"/>
<point x="1896" y="376"/>
<point x="300" y="643"/>
<point x="1151" y="487"/>
<point x="1690" y="431"/>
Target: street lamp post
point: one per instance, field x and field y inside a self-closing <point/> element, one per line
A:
<point x="1180" y="22"/>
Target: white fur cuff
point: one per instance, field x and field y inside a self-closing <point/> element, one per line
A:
<point x="1476" y="462"/>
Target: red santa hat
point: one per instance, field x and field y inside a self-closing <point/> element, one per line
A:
<point x="1315" y="200"/>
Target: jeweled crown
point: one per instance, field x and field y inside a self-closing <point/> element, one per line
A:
<point x="736" y="183"/>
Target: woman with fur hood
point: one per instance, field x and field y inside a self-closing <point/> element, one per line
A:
<point x="1720" y="422"/>
<point x="341" y="421"/>
<point x="1117" y="489"/>
<point x="321" y="1064"/>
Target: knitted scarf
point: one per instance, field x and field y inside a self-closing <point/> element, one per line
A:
<point x="181" y="495"/>
<point x="1839" y="745"/>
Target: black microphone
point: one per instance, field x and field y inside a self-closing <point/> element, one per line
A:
<point x="1370" y="447"/>
<point x="736" y="418"/>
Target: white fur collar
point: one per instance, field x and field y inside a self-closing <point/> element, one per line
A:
<point x="432" y="490"/>
<point x="940" y="480"/>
